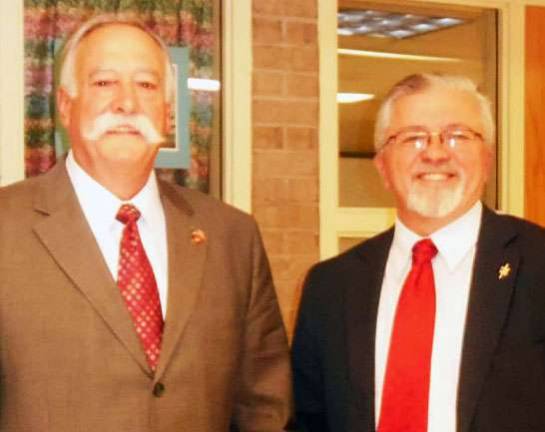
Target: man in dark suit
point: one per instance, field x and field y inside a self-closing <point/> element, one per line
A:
<point x="437" y="324"/>
<point x="127" y="304"/>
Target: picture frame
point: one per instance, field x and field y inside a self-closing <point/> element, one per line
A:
<point x="177" y="155"/>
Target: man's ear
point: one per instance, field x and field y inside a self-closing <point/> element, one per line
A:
<point x="489" y="160"/>
<point x="380" y="164"/>
<point x="169" y="117"/>
<point x="64" y="106"/>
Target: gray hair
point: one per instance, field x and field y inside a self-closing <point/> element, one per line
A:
<point x="418" y="83"/>
<point x="68" y="56"/>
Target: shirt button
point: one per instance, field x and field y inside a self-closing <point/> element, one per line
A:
<point x="158" y="389"/>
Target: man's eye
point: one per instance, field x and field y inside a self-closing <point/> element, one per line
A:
<point x="103" y="83"/>
<point x="460" y="136"/>
<point x="148" y="85"/>
<point x="411" y="139"/>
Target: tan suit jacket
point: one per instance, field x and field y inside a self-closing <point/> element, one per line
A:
<point x="70" y="359"/>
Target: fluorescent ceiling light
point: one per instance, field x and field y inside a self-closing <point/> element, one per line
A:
<point x="390" y="24"/>
<point x="424" y="27"/>
<point x="345" y="31"/>
<point x="401" y="33"/>
<point x="396" y="56"/>
<point x="447" y="22"/>
<point x="351" y="17"/>
<point x="203" y="84"/>
<point x="354" y="97"/>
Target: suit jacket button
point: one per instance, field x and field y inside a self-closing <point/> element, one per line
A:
<point x="158" y="389"/>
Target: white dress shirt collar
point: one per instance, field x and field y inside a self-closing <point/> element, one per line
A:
<point x="90" y="192"/>
<point x="453" y="241"/>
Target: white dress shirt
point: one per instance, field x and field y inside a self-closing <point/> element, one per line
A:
<point x="100" y="207"/>
<point x="452" y="268"/>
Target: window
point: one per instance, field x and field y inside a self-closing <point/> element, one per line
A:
<point x="353" y="204"/>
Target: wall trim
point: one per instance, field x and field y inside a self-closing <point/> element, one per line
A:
<point x="237" y="103"/>
<point x="12" y="164"/>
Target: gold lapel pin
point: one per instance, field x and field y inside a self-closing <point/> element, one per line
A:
<point x="504" y="271"/>
<point x="198" y="236"/>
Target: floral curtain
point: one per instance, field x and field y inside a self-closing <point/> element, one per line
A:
<point x="179" y="22"/>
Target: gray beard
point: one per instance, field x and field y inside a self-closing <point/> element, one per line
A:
<point x="434" y="204"/>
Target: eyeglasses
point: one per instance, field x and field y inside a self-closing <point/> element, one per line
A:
<point x="457" y="138"/>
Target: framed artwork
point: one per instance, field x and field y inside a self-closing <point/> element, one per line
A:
<point x="175" y="153"/>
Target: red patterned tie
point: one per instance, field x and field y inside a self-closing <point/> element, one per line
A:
<point x="407" y="379"/>
<point x="138" y="287"/>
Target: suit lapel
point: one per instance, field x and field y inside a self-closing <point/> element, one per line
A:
<point x="489" y="300"/>
<point x="187" y="246"/>
<point x="68" y="238"/>
<point x="361" y="303"/>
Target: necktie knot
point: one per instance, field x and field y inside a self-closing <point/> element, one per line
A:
<point x="127" y="213"/>
<point x="423" y="251"/>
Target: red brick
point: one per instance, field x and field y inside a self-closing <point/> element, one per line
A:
<point x="304" y="59"/>
<point x="286" y="112"/>
<point x="290" y="216"/>
<point x="268" y="137"/>
<point x="303" y="190"/>
<point x="302" y="85"/>
<point x="300" y="8"/>
<point x="301" y="33"/>
<point x="269" y="164"/>
<point x="270" y="190"/>
<point x="289" y="8"/>
<point x="285" y="190"/>
<point x="274" y="241"/>
<point x="268" y="7"/>
<point x="298" y="59"/>
<point x="267" y="31"/>
<point x="300" y="243"/>
<point x="272" y="57"/>
<point x="268" y="83"/>
<point x="300" y="138"/>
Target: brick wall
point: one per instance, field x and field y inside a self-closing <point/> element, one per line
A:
<point x="285" y="140"/>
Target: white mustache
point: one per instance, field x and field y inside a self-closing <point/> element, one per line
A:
<point x="109" y="121"/>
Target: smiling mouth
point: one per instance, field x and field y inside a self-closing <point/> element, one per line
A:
<point x="436" y="177"/>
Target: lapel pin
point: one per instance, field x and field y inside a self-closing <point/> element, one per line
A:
<point x="198" y="236"/>
<point x="504" y="271"/>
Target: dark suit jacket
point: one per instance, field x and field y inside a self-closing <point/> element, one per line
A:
<point x="70" y="359"/>
<point x="502" y="380"/>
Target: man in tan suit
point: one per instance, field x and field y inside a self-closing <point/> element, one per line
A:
<point x="180" y="333"/>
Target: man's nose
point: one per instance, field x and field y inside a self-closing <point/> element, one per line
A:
<point x="125" y="100"/>
<point x="436" y="150"/>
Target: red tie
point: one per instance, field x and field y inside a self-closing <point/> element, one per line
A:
<point x="138" y="287"/>
<point x="407" y="379"/>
